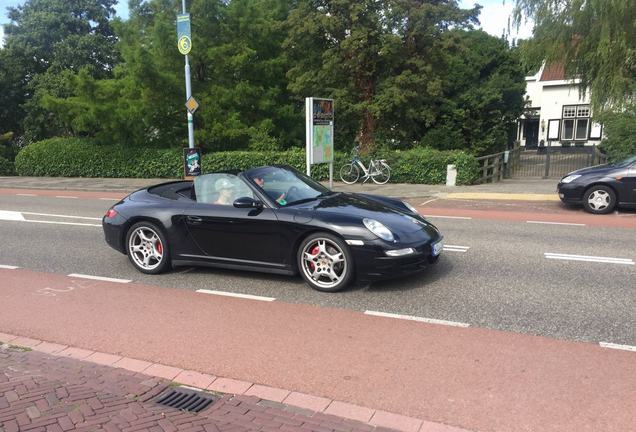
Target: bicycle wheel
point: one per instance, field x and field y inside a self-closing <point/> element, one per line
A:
<point x="382" y="174"/>
<point x="349" y="173"/>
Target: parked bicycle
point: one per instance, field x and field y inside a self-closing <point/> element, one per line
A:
<point x="379" y="170"/>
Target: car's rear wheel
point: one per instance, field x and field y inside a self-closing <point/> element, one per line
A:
<point x="325" y="262"/>
<point x="147" y="248"/>
<point x="599" y="199"/>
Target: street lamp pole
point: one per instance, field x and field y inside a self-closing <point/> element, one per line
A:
<point x="188" y="91"/>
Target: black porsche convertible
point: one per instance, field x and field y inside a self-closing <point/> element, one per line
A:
<point x="272" y="219"/>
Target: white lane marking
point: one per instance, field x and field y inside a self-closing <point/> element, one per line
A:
<point x="429" y="201"/>
<point x="11" y="215"/>
<point x="446" y="217"/>
<point x="617" y="346"/>
<point x="110" y="199"/>
<point x="61" y="216"/>
<point x="415" y="318"/>
<point x="231" y="294"/>
<point x="62" y="223"/>
<point x="555" y="223"/>
<point x="608" y="260"/>
<point x="454" y="248"/>
<point x="8" y="267"/>
<point x="25" y="194"/>
<point x="65" y="196"/>
<point x="99" y="278"/>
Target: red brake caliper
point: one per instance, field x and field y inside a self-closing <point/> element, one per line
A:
<point x="159" y="247"/>
<point x="314" y="252"/>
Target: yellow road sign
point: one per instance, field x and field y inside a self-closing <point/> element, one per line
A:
<point x="184" y="44"/>
<point x="192" y="104"/>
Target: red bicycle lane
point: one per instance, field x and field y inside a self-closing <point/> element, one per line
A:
<point x="473" y="378"/>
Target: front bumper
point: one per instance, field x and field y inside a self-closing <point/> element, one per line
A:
<point x="372" y="263"/>
<point x="571" y="193"/>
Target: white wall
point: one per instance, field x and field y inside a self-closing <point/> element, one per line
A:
<point x="550" y="97"/>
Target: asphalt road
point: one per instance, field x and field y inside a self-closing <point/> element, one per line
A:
<point x="503" y="281"/>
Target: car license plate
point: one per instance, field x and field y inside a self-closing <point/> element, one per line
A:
<point x="437" y="247"/>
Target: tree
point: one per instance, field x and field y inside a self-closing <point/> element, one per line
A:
<point x="594" y="39"/>
<point x="44" y="40"/>
<point x="375" y="57"/>
<point x="245" y="101"/>
<point x="481" y="94"/>
<point x="142" y="103"/>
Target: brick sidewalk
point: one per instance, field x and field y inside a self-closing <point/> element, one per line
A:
<point x="40" y="392"/>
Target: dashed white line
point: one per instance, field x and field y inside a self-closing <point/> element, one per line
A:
<point x="26" y="194"/>
<point x="61" y="216"/>
<point x="65" y="196"/>
<point x="555" y="223"/>
<point x="110" y="199"/>
<point x="586" y="258"/>
<point x="99" y="278"/>
<point x="231" y="294"/>
<point x="617" y="346"/>
<point x="446" y="217"/>
<point x="8" y="267"/>
<point x="416" y="318"/>
<point x="453" y="248"/>
<point x="62" y="223"/>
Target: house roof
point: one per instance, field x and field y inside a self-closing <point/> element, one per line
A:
<point x="553" y="72"/>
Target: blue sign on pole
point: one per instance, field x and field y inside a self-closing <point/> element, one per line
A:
<point x="184" y="35"/>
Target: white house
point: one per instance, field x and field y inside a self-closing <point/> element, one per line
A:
<point x="556" y="113"/>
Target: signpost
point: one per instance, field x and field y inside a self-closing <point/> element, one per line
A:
<point x="319" y="118"/>
<point x="184" y="44"/>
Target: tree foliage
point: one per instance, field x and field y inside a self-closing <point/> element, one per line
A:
<point x="594" y="39"/>
<point x="403" y="73"/>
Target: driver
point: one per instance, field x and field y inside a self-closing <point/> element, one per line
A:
<point x="260" y="181"/>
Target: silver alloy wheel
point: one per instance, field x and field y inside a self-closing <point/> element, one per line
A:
<point x="599" y="200"/>
<point x="324" y="263"/>
<point x="145" y="248"/>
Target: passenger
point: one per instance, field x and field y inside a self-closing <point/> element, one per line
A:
<point x="225" y="188"/>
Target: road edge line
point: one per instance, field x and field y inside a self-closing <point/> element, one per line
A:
<point x="416" y="318"/>
<point x="98" y="278"/>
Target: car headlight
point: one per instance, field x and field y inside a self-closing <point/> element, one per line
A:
<point x="410" y="207"/>
<point x="570" y="178"/>
<point x="378" y="229"/>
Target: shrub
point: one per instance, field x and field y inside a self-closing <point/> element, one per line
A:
<point x="620" y="131"/>
<point x="6" y="167"/>
<point x="73" y="157"/>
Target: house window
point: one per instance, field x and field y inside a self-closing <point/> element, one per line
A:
<point x="581" y="129"/>
<point x="568" y="129"/>
<point x="575" y="122"/>
<point x="569" y="111"/>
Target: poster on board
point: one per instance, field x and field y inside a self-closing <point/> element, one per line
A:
<point x="319" y="118"/>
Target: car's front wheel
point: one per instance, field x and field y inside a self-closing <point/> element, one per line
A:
<point x="599" y="199"/>
<point x="147" y="248"/>
<point x="325" y="262"/>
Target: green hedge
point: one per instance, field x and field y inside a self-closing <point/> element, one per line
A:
<point x="73" y="157"/>
<point x="6" y="167"/>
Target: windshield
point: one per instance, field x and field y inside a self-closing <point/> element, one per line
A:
<point x="287" y="186"/>
<point x="626" y="162"/>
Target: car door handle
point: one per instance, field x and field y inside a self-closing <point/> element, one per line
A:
<point x="194" y="220"/>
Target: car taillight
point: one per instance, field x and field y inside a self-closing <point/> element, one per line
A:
<point x="111" y="213"/>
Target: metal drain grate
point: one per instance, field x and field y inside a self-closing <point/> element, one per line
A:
<point x="185" y="399"/>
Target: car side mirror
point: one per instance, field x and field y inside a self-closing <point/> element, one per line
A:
<point x="247" y="202"/>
